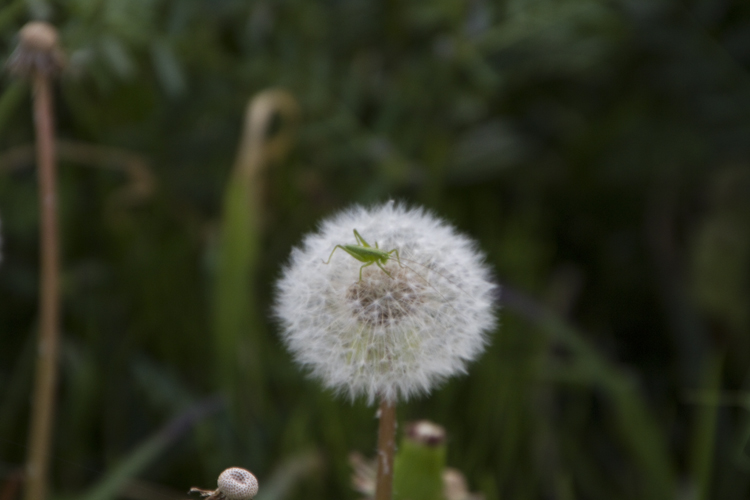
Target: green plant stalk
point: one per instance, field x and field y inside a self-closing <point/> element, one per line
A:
<point x="11" y="97"/>
<point x="418" y="471"/>
<point x="386" y="450"/>
<point x="704" y="433"/>
<point x="237" y="322"/>
<point x="637" y="427"/>
<point x="236" y="317"/>
<point x="43" y="407"/>
<point x="144" y="454"/>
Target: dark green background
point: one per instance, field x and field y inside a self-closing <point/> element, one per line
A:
<point x="598" y="150"/>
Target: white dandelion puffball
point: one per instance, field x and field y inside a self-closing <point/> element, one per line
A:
<point x="388" y="335"/>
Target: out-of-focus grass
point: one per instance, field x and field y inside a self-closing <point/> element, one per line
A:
<point x="596" y="150"/>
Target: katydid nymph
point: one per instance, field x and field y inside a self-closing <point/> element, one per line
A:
<point x="369" y="255"/>
<point x="364" y="252"/>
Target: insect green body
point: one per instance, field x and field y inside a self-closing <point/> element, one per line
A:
<point x="366" y="253"/>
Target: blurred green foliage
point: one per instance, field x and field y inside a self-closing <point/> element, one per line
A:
<point x="598" y="150"/>
<point x="418" y="469"/>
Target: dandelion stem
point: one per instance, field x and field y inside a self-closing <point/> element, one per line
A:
<point x="386" y="450"/>
<point x="49" y="302"/>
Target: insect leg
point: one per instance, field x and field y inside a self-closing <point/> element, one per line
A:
<point x="331" y="256"/>
<point x="381" y="267"/>
<point x="368" y="264"/>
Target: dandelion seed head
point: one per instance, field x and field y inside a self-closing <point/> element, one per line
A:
<point x="393" y="336"/>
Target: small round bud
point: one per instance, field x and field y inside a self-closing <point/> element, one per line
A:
<point x="426" y="433"/>
<point x="238" y="484"/>
<point x="38" y="35"/>
<point x="38" y="50"/>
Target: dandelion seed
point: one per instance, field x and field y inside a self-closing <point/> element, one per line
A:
<point x="387" y="336"/>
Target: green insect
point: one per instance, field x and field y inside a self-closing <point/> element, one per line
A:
<point x="363" y="252"/>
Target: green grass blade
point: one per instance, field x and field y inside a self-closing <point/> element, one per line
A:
<point x="238" y="324"/>
<point x="147" y="452"/>
<point x="704" y="433"/>
<point x="10" y="100"/>
<point x="637" y="428"/>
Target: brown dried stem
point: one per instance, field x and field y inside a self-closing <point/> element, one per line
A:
<point x="49" y="300"/>
<point x="386" y="450"/>
<point x="38" y="57"/>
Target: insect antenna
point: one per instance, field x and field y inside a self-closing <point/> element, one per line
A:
<point x="446" y="278"/>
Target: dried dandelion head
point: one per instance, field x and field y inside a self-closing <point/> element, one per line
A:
<point x="400" y="329"/>
<point x="425" y="433"/>
<point x="234" y="484"/>
<point x="38" y="51"/>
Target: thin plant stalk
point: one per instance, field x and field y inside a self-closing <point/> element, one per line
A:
<point x="386" y="450"/>
<point x="236" y="318"/>
<point x="49" y="300"/>
<point x="38" y="58"/>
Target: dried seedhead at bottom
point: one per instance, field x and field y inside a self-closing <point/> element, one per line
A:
<point x="38" y="51"/>
<point x="234" y="483"/>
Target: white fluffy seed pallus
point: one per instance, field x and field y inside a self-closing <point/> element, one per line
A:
<point x="393" y="335"/>
<point x="235" y="483"/>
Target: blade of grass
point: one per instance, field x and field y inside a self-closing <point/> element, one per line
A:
<point x="704" y="433"/>
<point x="16" y="391"/>
<point x="288" y="473"/>
<point x="148" y="451"/>
<point x="637" y="428"/>
<point x="237" y="333"/>
<point x="10" y="99"/>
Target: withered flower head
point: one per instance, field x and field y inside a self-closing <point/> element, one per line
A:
<point x="38" y="51"/>
<point x="234" y="483"/>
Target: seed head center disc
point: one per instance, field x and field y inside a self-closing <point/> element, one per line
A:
<point x="381" y="300"/>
